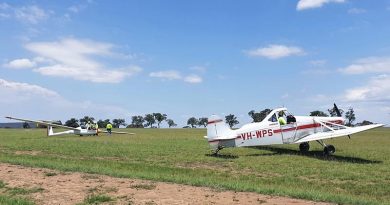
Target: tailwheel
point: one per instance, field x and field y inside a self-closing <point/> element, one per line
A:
<point x="329" y="149"/>
<point x="304" y="147"/>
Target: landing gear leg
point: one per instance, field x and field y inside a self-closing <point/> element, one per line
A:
<point x="328" y="149"/>
<point x="215" y="153"/>
<point x="304" y="147"/>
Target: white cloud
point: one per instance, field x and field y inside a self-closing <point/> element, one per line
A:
<point x="168" y="75"/>
<point x="377" y="89"/>
<point x="193" y="79"/>
<point x="311" y="4"/>
<point x="175" y="75"/>
<point x="21" y="63"/>
<point x="27" y="88"/>
<point x="36" y="102"/>
<point x="31" y="14"/>
<point x="274" y="51"/>
<point x="73" y="58"/>
<point x="368" y="65"/>
<point x="356" y="11"/>
<point x="96" y="76"/>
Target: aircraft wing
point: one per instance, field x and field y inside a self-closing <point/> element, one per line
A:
<point x="43" y="123"/>
<point x="115" y="132"/>
<point x="337" y="133"/>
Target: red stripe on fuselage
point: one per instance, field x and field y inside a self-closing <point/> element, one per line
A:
<point x="214" y="121"/>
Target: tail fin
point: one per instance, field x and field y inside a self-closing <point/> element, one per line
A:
<point x="49" y="130"/>
<point x="218" y="129"/>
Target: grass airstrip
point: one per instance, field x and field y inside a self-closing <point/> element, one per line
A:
<point x="358" y="173"/>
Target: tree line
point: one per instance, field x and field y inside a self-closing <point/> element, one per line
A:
<point x="154" y="120"/>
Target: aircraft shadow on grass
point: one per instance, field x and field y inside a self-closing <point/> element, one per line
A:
<point x="223" y="156"/>
<point x="313" y="154"/>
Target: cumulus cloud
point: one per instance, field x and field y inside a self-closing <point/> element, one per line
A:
<point x="21" y="63"/>
<point x="311" y="4"/>
<point x="377" y="89"/>
<point x="368" y="65"/>
<point x="275" y="51"/>
<point x="175" y="75"/>
<point x="27" y="88"/>
<point x="74" y="58"/>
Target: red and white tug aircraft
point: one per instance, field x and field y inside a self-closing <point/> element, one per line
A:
<point x="298" y="130"/>
<point x="70" y="130"/>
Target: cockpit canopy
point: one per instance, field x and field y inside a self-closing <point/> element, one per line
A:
<point x="274" y="115"/>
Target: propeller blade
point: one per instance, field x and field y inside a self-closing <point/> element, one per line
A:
<point x="337" y="110"/>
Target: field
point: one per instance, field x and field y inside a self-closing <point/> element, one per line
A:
<point x="358" y="173"/>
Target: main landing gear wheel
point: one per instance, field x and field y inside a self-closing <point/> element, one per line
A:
<point x="304" y="147"/>
<point x="329" y="149"/>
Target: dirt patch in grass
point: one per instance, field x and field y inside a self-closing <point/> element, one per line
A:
<point x="32" y="153"/>
<point x="81" y="188"/>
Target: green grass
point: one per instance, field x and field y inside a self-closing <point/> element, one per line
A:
<point x="23" y="191"/>
<point x="97" y="199"/>
<point x="7" y="200"/>
<point x="357" y="174"/>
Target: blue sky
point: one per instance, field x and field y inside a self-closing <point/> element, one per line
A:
<point x="62" y="59"/>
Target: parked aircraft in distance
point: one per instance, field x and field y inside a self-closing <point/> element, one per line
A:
<point x="70" y="130"/>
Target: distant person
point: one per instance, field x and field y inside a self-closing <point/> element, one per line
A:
<point x="109" y="128"/>
<point x="89" y="125"/>
<point x="281" y="119"/>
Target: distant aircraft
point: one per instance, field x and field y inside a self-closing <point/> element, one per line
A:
<point x="297" y="130"/>
<point x="70" y="130"/>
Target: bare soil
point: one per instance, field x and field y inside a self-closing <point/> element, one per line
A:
<point x="72" y="188"/>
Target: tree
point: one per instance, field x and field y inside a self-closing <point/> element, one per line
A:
<point x="192" y="121"/>
<point x="137" y="122"/>
<point x="159" y="118"/>
<point x="259" y="116"/>
<point x="86" y="119"/>
<point x="103" y="124"/>
<point x="73" y="122"/>
<point x="365" y="122"/>
<point x="171" y="123"/>
<point x="231" y="120"/>
<point x="350" y="115"/>
<point x="26" y="125"/>
<point x="203" y="121"/>
<point x="149" y="118"/>
<point x="116" y="123"/>
<point x="318" y="113"/>
<point x="333" y="113"/>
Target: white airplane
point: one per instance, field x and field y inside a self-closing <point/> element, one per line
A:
<point x="70" y="130"/>
<point x="297" y="130"/>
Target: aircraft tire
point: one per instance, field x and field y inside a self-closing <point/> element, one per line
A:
<point x="329" y="150"/>
<point x="304" y="147"/>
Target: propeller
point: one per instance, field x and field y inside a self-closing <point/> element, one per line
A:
<point x="337" y="110"/>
